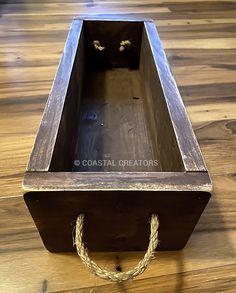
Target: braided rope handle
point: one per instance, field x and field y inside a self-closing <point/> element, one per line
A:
<point x="117" y="276"/>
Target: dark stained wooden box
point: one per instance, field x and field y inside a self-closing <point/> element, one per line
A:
<point x="120" y="107"/>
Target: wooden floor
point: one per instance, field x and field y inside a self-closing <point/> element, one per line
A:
<point x="200" y="41"/>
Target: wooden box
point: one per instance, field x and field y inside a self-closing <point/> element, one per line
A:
<point x="115" y="143"/>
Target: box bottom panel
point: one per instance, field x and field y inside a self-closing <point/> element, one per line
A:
<point x="113" y="127"/>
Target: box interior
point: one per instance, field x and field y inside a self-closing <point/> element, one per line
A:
<point x="115" y="116"/>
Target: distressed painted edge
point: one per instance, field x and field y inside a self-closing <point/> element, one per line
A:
<point x="129" y="181"/>
<point x="111" y="17"/>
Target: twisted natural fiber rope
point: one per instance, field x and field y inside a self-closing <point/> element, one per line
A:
<point x="117" y="276"/>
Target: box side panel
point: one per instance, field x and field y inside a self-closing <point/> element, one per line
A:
<point x="120" y="219"/>
<point x="64" y="148"/>
<point x="161" y="128"/>
<point x="110" y="34"/>
<point x="188" y="145"/>
<point x="46" y="137"/>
